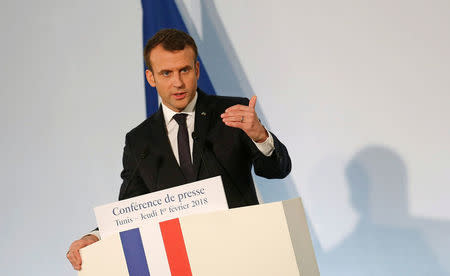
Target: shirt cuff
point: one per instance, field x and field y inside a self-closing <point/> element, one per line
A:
<point x="95" y="233"/>
<point x="267" y="146"/>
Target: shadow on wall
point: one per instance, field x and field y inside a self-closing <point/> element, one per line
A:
<point x="386" y="240"/>
<point x="229" y="79"/>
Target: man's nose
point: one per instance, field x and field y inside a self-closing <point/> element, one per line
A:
<point x="177" y="80"/>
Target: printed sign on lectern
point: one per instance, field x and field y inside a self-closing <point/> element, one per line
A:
<point x="193" y="198"/>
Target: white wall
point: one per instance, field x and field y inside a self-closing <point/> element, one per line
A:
<point x="71" y="86"/>
<point x="357" y="90"/>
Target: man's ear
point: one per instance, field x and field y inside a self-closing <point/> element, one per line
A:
<point x="197" y="69"/>
<point x="150" y="78"/>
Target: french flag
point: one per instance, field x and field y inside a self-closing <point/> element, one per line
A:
<point x="152" y="249"/>
<point x="165" y="254"/>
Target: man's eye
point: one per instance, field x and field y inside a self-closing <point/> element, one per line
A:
<point x="185" y="70"/>
<point x="165" y="73"/>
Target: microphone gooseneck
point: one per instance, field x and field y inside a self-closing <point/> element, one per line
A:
<point x="142" y="156"/>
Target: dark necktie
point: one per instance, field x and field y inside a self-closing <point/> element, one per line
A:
<point x="184" y="152"/>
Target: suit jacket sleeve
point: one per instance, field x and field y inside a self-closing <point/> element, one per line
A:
<point x="277" y="165"/>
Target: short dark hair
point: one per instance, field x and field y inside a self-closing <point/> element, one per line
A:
<point x="171" y="40"/>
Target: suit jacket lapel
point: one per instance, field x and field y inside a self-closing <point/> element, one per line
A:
<point x="203" y="115"/>
<point x="162" y="154"/>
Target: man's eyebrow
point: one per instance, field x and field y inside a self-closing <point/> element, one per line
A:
<point x="164" y="71"/>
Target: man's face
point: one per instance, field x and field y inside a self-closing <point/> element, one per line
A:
<point x="174" y="75"/>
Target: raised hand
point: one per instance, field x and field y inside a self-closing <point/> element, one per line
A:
<point x="245" y="118"/>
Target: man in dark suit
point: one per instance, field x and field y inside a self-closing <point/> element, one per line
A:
<point x="193" y="135"/>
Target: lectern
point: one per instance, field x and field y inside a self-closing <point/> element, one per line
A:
<point x="268" y="239"/>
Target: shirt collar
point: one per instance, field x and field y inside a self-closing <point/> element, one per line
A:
<point x="189" y="109"/>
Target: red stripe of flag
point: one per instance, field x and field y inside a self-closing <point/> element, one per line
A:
<point x="175" y="248"/>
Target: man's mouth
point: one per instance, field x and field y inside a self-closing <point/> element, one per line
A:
<point x="179" y="95"/>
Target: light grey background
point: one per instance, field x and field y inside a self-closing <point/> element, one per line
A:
<point x="357" y="90"/>
<point x="71" y="86"/>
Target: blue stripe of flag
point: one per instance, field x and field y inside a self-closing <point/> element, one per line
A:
<point x="134" y="252"/>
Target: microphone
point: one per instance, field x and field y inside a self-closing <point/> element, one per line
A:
<point x="196" y="140"/>
<point x="142" y="156"/>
